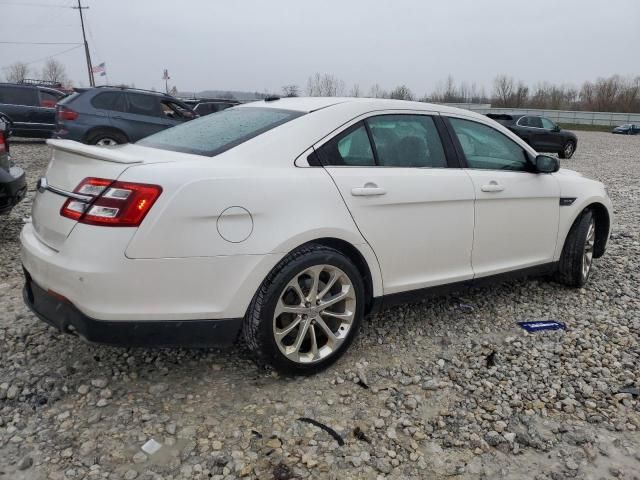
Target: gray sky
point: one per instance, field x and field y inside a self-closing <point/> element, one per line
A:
<point x="259" y="45"/>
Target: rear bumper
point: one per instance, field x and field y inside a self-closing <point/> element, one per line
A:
<point x="61" y="314"/>
<point x="13" y="188"/>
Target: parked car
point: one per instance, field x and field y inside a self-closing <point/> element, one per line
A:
<point x="13" y="184"/>
<point x="31" y="108"/>
<point x="112" y="115"/>
<point x="205" y="106"/>
<point x="541" y="133"/>
<point x="627" y="129"/>
<point x="286" y="221"/>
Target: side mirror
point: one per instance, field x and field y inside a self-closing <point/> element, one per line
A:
<point x="547" y="164"/>
<point x="556" y="128"/>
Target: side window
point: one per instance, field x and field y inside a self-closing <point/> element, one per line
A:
<point x="175" y="110"/>
<point x="407" y="141"/>
<point x="486" y="148"/>
<point x="523" y="122"/>
<point x="142" y="104"/>
<point x="350" y="148"/>
<point x="548" y="124"/>
<point x="535" y="122"/>
<point x="48" y="99"/>
<point x="20" y="96"/>
<point x="109" y="101"/>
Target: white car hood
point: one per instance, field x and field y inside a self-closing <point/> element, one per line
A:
<point x="573" y="173"/>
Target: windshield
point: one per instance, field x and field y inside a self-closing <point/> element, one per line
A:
<point x="221" y="131"/>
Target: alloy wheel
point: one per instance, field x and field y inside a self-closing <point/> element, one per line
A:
<point x="587" y="255"/>
<point x="568" y="149"/>
<point x="314" y="314"/>
<point x="106" y="142"/>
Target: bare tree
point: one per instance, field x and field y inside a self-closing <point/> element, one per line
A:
<point x="324" y="85"/>
<point x="377" y="92"/>
<point x="402" y="92"/>
<point x="54" y="71"/>
<point x="291" y="90"/>
<point x="17" y="72"/>
<point x="355" y="91"/>
<point x="503" y="90"/>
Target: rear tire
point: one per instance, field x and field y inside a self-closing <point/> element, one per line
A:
<point x="286" y="325"/>
<point x="577" y="254"/>
<point x="106" y="138"/>
<point x="568" y="149"/>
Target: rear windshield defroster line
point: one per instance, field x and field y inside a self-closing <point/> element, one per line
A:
<point x="219" y="132"/>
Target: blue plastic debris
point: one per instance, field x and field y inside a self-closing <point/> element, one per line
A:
<point x="542" y="325"/>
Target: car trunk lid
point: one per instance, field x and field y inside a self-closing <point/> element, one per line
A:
<point x="72" y="162"/>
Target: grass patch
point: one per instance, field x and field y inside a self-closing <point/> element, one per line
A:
<point x="585" y="127"/>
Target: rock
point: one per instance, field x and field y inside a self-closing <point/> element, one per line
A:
<point x="158" y="388"/>
<point x="99" y="382"/>
<point x="139" y="458"/>
<point x="25" y="463"/>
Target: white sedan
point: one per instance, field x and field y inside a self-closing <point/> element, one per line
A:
<point x="285" y="222"/>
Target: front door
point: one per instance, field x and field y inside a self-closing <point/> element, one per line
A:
<point x="516" y="210"/>
<point x="414" y="211"/>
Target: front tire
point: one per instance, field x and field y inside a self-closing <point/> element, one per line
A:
<point x="568" y="149"/>
<point x="577" y="254"/>
<point x="306" y="312"/>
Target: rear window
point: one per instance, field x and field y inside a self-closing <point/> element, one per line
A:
<point x="220" y="131"/>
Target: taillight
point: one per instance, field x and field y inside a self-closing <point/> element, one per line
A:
<point x="3" y="142"/>
<point x="65" y="113"/>
<point x="111" y="203"/>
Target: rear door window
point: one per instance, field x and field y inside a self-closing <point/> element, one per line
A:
<point x="19" y="96"/>
<point x="407" y="141"/>
<point x="218" y="132"/>
<point x="142" y="104"/>
<point x="114" y="101"/>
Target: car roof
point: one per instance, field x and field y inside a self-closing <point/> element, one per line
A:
<point x="311" y="104"/>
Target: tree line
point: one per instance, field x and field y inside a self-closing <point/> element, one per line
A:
<point x="612" y="94"/>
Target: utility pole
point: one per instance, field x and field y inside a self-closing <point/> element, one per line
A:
<point x="92" y="82"/>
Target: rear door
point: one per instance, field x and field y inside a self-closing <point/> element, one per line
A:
<point x="143" y="116"/>
<point x="20" y="103"/>
<point x="412" y="208"/>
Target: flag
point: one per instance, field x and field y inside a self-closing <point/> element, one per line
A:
<point x="101" y="69"/>
<point x="166" y="76"/>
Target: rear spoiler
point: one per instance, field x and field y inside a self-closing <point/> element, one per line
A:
<point x="107" y="154"/>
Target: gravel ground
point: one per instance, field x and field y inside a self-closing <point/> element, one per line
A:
<point x="447" y="388"/>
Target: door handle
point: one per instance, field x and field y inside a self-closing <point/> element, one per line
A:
<point x="492" y="186"/>
<point x="117" y="117"/>
<point x="369" y="190"/>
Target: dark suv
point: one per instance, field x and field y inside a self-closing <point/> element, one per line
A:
<point x="541" y="133"/>
<point x="113" y="115"/>
<point x="30" y="108"/>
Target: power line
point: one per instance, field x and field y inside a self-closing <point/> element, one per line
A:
<point x="23" y="4"/>
<point x="42" y="43"/>
<point x="47" y="57"/>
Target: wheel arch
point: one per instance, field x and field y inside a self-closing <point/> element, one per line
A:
<point x="603" y="224"/>
<point x="358" y="259"/>
<point x="106" y="128"/>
